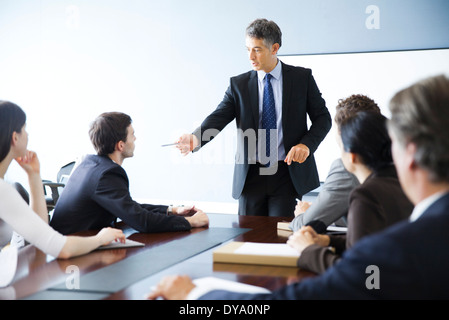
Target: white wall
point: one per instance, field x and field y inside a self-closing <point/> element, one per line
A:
<point x="378" y="75"/>
<point x="168" y="64"/>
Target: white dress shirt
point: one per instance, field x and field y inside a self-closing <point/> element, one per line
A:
<point x="424" y="205"/>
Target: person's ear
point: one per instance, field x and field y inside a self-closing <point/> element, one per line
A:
<point x="275" y="48"/>
<point x="410" y="151"/>
<point x="119" y="146"/>
<point x="353" y="158"/>
<point x="14" y="138"/>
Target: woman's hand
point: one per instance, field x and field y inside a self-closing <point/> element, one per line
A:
<point x="107" y="235"/>
<point x="29" y="162"/>
<point x="305" y="237"/>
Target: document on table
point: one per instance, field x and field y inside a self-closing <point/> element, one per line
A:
<point x="207" y="284"/>
<point x="118" y="245"/>
<point x="8" y="265"/>
<point x="213" y="283"/>
<point x="337" y="229"/>
<point x="332" y="228"/>
<point x="274" y="254"/>
<point x="266" y="249"/>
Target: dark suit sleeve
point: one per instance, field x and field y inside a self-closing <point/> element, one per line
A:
<point x="155" y="208"/>
<point x="217" y="120"/>
<point x="317" y="259"/>
<point x="318" y="114"/>
<point x="112" y="193"/>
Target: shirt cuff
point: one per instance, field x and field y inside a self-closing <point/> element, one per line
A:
<point x="198" y="292"/>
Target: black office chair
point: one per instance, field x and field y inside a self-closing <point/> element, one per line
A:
<point x="56" y="187"/>
<point x="22" y="191"/>
<point x="16" y="238"/>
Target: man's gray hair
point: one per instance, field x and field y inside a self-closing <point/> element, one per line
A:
<point x="420" y="115"/>
<point x="269" y="31"/>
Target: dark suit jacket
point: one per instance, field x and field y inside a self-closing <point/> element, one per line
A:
<point x="374" y="205"/>
<point x="300" y="97"/>
<point x="97" y="193"/>
<point x="410" y="256"/>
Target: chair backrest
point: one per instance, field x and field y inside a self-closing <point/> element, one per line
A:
<point x="57" y="187"/>
<point x="65" y="171"/>
<point x="22" y="191"/>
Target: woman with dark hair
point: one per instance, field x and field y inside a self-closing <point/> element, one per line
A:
<point x="15" y="214"/>
<point x="377" y="203"/>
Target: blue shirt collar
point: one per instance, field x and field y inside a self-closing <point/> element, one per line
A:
<point x="276" y="72"/>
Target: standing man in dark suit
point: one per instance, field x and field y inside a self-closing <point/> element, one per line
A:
<point x="97" y="192"/>
<point x="274" y="161"/>
<point x="408" y="260"/>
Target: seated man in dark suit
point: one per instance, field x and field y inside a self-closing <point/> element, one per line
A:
<point x="97" y="192"/>
<point x="407" y="260"/>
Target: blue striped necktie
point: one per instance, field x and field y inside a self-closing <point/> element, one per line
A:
<point x="269" y="117"/>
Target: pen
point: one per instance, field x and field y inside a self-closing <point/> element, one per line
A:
<point x="170" y="144"/>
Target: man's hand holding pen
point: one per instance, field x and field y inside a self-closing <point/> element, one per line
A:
<point x="186" y="143"/>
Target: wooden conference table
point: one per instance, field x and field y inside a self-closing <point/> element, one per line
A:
<point x="38" y="272"/>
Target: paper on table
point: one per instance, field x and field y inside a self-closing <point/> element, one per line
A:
<point x="284" y="226"/>
<point x="8" y="265"/>
<point x="17" y="240"/>
<point x="213" y="283"/>
<point x="331" y="228"/>
<point x="117" y="245"/>
<point x="338" y="229"/>
<point x="207" y="284"/>
<point x="273" y="249"/>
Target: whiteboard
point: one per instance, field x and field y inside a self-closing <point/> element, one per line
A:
<point x="378" y="75"/>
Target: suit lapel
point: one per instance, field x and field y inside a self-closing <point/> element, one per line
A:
<point x="286" y="91"/>
<point x="253" y="89"/>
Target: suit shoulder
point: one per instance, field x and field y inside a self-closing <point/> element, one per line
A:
<point x="338" y="176"/>
<point x="363" y="192"/>
<point x="243" y="77"/>
<point x="296" y="69"/>
<point x="100" y="165"/>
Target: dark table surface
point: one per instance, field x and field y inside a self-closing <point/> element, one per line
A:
<point x="37" y="271"/>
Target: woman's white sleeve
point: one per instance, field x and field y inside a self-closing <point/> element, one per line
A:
<point x="16" y="212"/>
